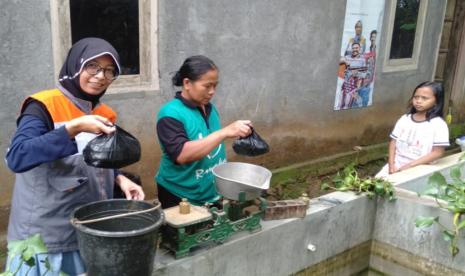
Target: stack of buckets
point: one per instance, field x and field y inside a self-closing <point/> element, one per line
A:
<point x="119" y="246"/>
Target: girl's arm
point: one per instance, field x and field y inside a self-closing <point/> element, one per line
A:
<point x="392" y="156"/>
<point x="435" y="154"/>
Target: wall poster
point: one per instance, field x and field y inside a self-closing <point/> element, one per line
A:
<point x="356" y="75"/>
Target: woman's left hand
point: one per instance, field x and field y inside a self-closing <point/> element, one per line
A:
<point x="129" y="188"/>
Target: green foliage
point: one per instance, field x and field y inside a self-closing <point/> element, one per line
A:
<point x="408" y="27"/>
<point x="456" y="130"/>
<point x="425" y="221"/>
<point x="453" y="194"/>
<point x="27" y="249"/>
<point x="291" y="188"/>
<point x="349" y="180"/>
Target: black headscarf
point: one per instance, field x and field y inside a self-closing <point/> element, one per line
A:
<point x="80" y="53"/>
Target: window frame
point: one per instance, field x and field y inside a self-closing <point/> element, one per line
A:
<point x="404" y="64"/>
<point x="147" y="79"/>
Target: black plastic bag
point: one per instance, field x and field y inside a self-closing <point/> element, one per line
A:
<point x="112" y="151"/>
<point x="251" y="145"/>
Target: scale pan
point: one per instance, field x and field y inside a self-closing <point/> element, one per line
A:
<point x="231" y="178"/>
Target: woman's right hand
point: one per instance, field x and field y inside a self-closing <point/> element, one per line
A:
<point x="89" y="123"/>
<point x="240" y="128"/>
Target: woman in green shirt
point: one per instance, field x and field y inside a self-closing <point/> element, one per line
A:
<point x="190" y="135"/>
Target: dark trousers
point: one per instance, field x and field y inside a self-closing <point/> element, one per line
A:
<point x="166" y="198"/>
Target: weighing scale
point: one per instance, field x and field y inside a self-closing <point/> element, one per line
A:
<point x="207" y="224"/>
<point x="240" y="185"/>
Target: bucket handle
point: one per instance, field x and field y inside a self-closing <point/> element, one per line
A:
<point x="76" y="221"/>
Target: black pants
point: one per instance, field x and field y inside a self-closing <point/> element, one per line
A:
<point x="166" y="198"/>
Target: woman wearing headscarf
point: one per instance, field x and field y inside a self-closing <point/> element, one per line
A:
<point x="52" y="178"/>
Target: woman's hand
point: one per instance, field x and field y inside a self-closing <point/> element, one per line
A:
<point x="198" y="149"/>
<point x="240" y="128"/>
<point x="89" y="123"/>
<point x="129" y="188"/>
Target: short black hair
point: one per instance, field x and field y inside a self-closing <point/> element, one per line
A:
<point x="438" y="92"/>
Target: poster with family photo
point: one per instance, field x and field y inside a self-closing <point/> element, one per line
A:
<point x="356" y="74"/>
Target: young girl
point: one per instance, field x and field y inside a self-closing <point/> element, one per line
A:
<point x="421" y="135"/>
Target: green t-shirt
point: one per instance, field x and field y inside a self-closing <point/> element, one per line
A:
<point x="194" y="181"/>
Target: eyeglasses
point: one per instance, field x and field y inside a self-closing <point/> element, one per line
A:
<point x="93" y="69"/>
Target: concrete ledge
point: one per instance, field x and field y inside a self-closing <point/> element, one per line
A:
<point x="391" y="260"/>
<point x="395" y="226"/>
<point x="349" y="262"/>
<point x="334" y="223"/>
<point x="331" y="238"/>
<point x="395" y="223"/>
<point x="444" y="164"/>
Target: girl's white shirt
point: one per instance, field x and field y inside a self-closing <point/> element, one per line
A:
<point x="417" y="139"/>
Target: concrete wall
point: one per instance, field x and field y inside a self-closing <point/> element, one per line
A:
<point x="427" y="251"/>
<point x="25" y="67"/>
<point x="339" y="226"/>
<point x="334" y="224"/>
<point x="278" y="62"/>
<point x="395" y="223"/>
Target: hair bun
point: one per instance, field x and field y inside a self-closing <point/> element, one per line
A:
<point x="176" y="80"/>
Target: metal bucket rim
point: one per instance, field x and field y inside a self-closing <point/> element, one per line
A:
<point x="116" y="234"/>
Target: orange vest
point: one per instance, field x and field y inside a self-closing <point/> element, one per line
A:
<point x="62" y="109"/>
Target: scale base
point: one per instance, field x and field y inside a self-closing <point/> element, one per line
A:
<point x="233" y="218"/>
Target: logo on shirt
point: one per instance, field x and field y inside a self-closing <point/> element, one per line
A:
<point x="201" y="172"/>
<point x="216" y="151"/>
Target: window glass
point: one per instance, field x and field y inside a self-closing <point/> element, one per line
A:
<point x="116" y="21"/>
<point x="405" y="25"/>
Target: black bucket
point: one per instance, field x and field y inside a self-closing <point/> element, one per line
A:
<point x="119" y="246"/>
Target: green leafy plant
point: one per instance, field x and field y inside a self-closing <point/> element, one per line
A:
<point x="26" y="249"/>
<point x="449" y="196"/>
<point x="349" y="180"/>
